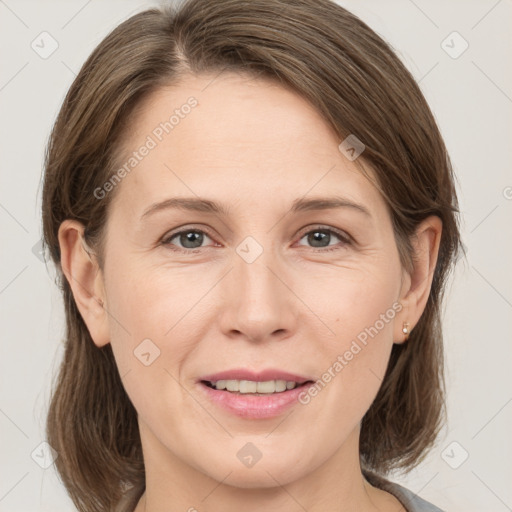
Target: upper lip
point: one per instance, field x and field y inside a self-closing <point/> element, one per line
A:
<point x="257" y="376"/>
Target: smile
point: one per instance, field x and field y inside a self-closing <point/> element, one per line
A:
<point x="257" y="396"/>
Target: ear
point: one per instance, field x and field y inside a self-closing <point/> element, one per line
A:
<point x="416" y="285"/>
<point x="81" y="269"/>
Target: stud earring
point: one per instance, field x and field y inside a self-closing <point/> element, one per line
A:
<point x="405" y="330"/>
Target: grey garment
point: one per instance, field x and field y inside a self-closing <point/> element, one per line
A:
<point x="411" y="502"/>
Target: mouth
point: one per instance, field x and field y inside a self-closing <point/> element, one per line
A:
<point x="251" y="395"/>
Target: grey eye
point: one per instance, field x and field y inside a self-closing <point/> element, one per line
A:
<point x="188" y="239"/>
<point x="320" y="238"/>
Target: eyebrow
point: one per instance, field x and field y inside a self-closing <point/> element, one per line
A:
<point x="327" y="203"/>
<point x="299" y="205"/>
<point x="187" y="203"/>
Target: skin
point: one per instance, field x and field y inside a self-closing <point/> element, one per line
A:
<point x="255" y="147"/>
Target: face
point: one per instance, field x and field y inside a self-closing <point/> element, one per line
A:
<point x="252" y="278"/>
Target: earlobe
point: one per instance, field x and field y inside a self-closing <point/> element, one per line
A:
<point x="416" y="289"/>
<point x="403" y="326"/>
<point x="81" y="269"/>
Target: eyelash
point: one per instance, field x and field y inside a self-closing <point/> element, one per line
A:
<point x="345" y="239"/>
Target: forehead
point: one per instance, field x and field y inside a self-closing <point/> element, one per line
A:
<point x="248" y="111"/>
<point x="232" y="133"/>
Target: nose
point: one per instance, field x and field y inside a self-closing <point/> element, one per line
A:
<point x="258" y="304"/>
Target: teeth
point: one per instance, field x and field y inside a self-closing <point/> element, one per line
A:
<point x="268" y="386"/>
<point x="249" y="386"/>
<point x="232" y="385"/>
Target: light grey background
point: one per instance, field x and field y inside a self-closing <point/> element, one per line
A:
<point x="471" y="96"/>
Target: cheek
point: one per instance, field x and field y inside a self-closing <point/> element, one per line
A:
<point x="354" y="303"/>
<point x="151" y="302"/>
<point x="360" y="307"/>
<point x="156" y="320"/>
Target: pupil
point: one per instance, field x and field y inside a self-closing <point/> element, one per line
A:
<point x="191" y="237"/>
<point x="318" y="236"/>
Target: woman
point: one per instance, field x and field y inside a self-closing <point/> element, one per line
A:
<point x="254" y="215"/>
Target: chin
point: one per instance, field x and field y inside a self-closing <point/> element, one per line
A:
<point x="261" y="478"/>
<point x="268" y="472"/>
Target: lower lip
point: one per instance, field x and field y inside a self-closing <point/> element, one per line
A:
<point x="255" y="406"/>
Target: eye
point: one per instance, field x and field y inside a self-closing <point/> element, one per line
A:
<point x="186" y="240"/>
<point x="321" y="238"/>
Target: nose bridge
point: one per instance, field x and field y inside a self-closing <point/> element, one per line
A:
<point x="254" y="255"/>
<point x="257" y="283"/>
<point x="258" y="304"/>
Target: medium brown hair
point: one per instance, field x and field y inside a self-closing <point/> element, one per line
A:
<point x="359" y="86"/>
